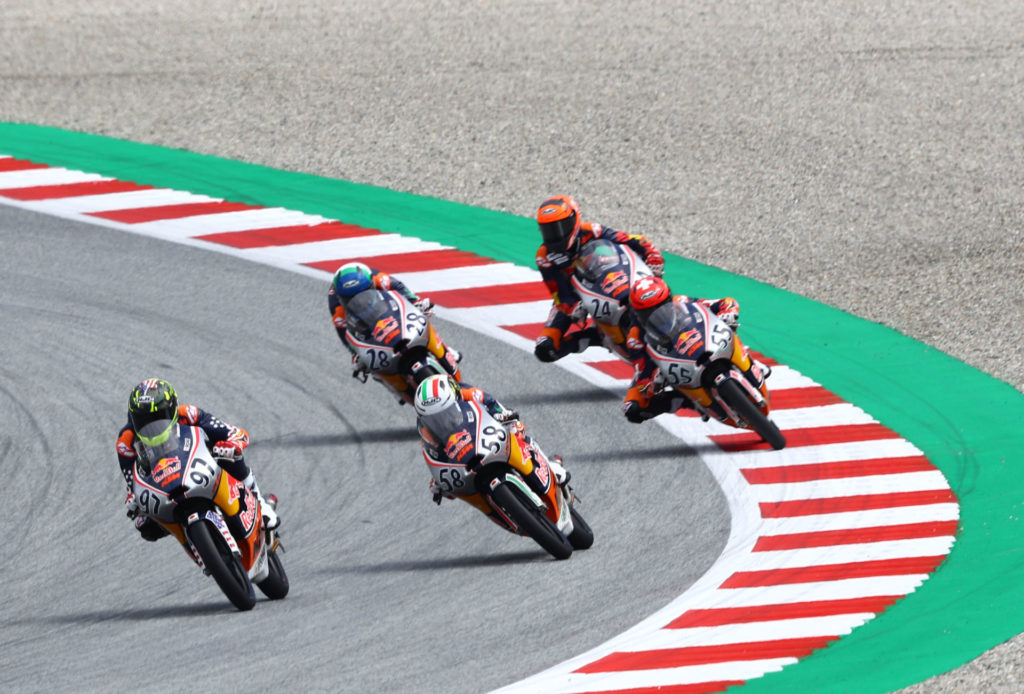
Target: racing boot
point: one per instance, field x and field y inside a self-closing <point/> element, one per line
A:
<point x="562" y="476"/>
<point x="267" y="504"/>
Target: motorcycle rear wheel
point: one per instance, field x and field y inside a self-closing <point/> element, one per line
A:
<point x="531" y="520"/>
<point x="275" y="585"/>
<point x="732" y="393"/>
<point x="224" y="566"/>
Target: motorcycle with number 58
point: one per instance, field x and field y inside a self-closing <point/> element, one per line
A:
<point x="497" y="468"/>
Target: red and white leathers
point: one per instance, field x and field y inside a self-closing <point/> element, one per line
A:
<point x="382" y="280"/>
<point x="227" y="443"/>
<point x="561" y="335"/>
<point x="645" y="399"/>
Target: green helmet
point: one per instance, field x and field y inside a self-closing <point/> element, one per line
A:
<point x="153" y="410"/>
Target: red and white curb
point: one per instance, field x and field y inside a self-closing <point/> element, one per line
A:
<point x="826" y="533"/>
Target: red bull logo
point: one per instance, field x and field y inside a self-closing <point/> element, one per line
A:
<point x="613" y="282"/>
<point x="166" y="471"/>
<point x="459" y="445"/>
<point x="386" y="329"/>
<point x="689" y="342"/>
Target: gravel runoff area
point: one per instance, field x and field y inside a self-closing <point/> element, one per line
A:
<point x="867" y="155"/>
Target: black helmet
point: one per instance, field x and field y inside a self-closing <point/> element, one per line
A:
<point x="153" y="400"/>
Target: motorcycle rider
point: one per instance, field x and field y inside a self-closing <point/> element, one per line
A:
<point x="352" y="278"/>
<point x="440" y="413"/>
<point x="155" y="400"/>
<point x="563" y="234"/>
<point x="645" y="398"/>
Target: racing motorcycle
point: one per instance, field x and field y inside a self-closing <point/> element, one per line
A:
<point x="602" y="276"/>
<point x="700" y="356"/>
<point x="393" y="340"/>
<point x="501" y="471"/>
<point x="217" y="520"/>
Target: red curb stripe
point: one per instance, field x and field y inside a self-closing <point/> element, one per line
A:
<point x="836" y="470"/>
<point x="854" y="536"/>
<point x="695" y="688"/>
<point x="417" y="261"/>
<point x="72" y="190"/>
<point x="153" y="214"/>
<point x="616" y="369"/>
<point x="491" y="296"/>
<point x="705" y="655"/>
<point x="288" y="235"/>
<point x="833" y="572"/>
<point x="793" y="398"/>
<point x="528" y="330"/>
<point x="13" y="164"/>
<point x="721" y="616"/>
<point x="761" y="357"/>
<point x="861" y="502"/>
<point x="811" y="436"/>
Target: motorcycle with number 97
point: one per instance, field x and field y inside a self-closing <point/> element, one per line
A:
<point x="217" y="520"/>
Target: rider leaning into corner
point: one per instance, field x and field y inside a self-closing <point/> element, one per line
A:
<point x="352" y="278"/>
<point x="440" y="413"/>
<point x="652" y="302"/>
<point x="154" y="400"/>
<point x="563" y="236"/>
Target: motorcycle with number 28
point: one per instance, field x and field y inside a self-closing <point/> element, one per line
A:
<point x="394" y="341"/>
<point x="217" y="520"/>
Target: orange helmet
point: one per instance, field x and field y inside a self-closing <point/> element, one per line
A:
<point x="559" y="220"/>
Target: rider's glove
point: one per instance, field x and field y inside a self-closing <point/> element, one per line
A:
<point x="132" y="505"/>
<point x="506" y="416"/>
<point x="359" y="369"/>
<point x="229" y="450"/>
<point x="426" y="306"/>
<point x="150" y="530"/>
<point x="656" y="263"/>
<point x="473" y="463"/>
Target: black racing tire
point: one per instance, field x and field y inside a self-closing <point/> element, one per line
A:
<point x="531" y="520"/>
<point x="733" y="394"/>
<point x="581" y="537"/>
<point x="224" y="566"/>
<point x="275" y="585"/>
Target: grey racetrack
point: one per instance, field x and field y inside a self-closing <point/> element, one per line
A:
<point x="867" y="155"/>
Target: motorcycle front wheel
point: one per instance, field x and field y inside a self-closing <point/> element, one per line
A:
<point x="733" y="394"/>
<point x="222" y="564"/>
<point x="531" y="520"/>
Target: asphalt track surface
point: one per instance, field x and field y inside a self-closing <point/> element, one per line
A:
<point x="389" y="592"/>
<point x="867" y="157"/>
